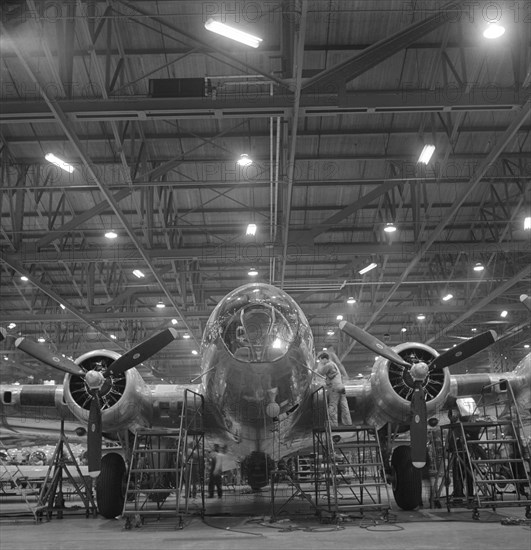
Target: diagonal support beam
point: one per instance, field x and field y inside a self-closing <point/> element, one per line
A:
<point x="482" y="303"/>
<point x="470" y="187"/>
<point x="67" y="128"/>
<point x="308" y="236"/>
<point x="376" y="53"/>
<point x="52" y="294"/>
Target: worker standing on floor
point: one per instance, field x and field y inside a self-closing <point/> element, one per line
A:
<point x="335" y="391"/>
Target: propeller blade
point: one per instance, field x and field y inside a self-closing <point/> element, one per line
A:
<point x="372" y="343"/>
<point x="526" y="300"/>
<point x="419" y="427"/>
<point x="47" y="356"/>
<point x="143" y="351"/>
<point x="94" y="437"/>
<point x="464" y="350"/>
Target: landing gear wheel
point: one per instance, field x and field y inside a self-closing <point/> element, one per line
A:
<point x="110" y="487"/>
<point x="407" y="480"/>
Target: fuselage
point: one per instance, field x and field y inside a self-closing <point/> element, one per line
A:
<point x="258" y="361"/>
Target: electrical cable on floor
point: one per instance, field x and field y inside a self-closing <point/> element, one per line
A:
<point x="375" y="525"/>
<point x="231" y="529"/>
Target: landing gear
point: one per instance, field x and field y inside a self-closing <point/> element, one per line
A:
<point x="257" y="467"/>
<point x="407" y="480"/>
<point x="110" y="486"/>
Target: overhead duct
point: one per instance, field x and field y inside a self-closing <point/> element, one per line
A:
<point x="180" y="87"/>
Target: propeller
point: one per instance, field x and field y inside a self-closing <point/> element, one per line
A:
<point x="98" y="382"/>
<point x="417" y="374"/>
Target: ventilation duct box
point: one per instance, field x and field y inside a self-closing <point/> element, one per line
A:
<point x="179" y="87"/>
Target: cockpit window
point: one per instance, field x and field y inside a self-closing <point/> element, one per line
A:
<point x="256" y="325"/>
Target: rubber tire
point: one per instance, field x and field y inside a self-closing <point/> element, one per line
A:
<point x="110" y="486"/>
<point x="407" y="480"/>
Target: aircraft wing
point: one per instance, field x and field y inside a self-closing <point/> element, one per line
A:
<point x="32" y="414"/>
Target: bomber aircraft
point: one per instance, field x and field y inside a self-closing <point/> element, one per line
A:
<point x="258" y="379"/>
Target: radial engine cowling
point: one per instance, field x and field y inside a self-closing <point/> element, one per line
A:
<point x="124" y="397"/>
<point x="392" y="385"/>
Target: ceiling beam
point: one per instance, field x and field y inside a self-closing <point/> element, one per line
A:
<point x="402" y="100"/>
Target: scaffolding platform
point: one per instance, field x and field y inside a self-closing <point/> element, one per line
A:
<point x="485" y="462"/>
<point x="167" y="469"/>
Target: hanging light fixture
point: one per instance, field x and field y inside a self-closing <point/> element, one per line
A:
<point x="494" y="30"/>
<point x="426" y="154"/>
<point x="244" y="160"/>
<point x="390" y="227"/>
<point x="234" y="34"/>
<point x="50" y="157"/>
<point x="368" y="268"/>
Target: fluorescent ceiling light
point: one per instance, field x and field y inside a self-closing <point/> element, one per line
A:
<point x="504" y="313"/>
<point x="426" y="154"/>
<point x="234" y="34"/>
<point x="186" y="336"/>
<point x="351" y="300"/>
<point x="113" y="337"/>
<point x="403" y="329"/>
<point x="137" y="273"/>
<point x="41" y="339"/>
<point x="494" y="30"/>
<point x="244" y="160"/>
<point x="339" y="317"/>
<point x="252" y="272"/>
<point x="251" y="229"/>
<point x="111" y="234"/>
<point x="50" y="157"/>
<point x="479" y="267"/>
<point x="527" y="222"/>
<point x="421" y="317"/>
<point x="390" y="227"/>
<point x="194" y="352"/>
<point x="330" y="333"/>
<point x="367" y="269"/>
<point x="174" y="321"/>
<point x="161" y="305"/>
<point x="11" y="325"/>
<point x="23" y="278"/>
<point x="62" y="306"/>
<point x="474" y="329"/>
<point x="447" y="297"/>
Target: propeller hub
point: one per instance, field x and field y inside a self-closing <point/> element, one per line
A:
<point x="419" y="371"/>
<point x="94" y="380"/>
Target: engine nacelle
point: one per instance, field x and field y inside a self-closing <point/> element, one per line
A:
<point x="125" y="397"/>
<point x="392" y="386"/>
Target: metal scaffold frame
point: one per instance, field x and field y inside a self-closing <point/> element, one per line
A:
<point x="166" y="462"/>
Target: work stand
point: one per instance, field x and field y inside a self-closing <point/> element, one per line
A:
<point x="52" y="495"/>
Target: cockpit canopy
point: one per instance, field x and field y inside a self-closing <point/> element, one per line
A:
<point x="256" y="323"/>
